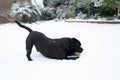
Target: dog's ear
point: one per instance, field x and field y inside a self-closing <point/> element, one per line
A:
<point x="72" y="43"/>
<point x="73" y="40"/>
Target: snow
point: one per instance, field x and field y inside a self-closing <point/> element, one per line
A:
<point x="93" y="20"/>
<point x="38" y="2"/>
<point x="100" y="59"/>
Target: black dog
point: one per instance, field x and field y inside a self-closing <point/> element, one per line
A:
<point x="51" y="48"/>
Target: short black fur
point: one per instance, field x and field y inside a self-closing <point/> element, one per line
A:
<point x="51" y="48"/>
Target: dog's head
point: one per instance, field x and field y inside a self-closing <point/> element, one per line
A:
<point x="75" y="46"/>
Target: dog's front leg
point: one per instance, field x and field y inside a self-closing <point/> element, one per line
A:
<point x="72" y="57"/>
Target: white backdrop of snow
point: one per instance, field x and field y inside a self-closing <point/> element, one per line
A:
<point x="99" y="61"/>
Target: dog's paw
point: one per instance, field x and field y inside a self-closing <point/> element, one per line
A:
<point x="30" y="60"/>
<point x="73" y="57"/>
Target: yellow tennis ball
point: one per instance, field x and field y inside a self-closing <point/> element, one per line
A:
<point x="77" y="54"/>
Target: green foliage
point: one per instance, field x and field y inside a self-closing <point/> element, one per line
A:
<point x="110" y="3"/>
<point x="106" y="11"/>
<point x="118" y="16"/>
<point x="45" y="2"/>
<point x="103" y="10"/>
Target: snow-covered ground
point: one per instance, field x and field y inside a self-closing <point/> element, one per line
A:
<point x="100" y="59"/>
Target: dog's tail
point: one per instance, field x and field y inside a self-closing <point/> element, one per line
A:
<point x="30" y="30"/>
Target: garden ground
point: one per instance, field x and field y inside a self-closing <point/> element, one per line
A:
<point x="100" y="59"/>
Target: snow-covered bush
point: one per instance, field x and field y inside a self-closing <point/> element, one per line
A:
<point x="80" y="3"/>
<point x="98" y="3"/>
<point x="106" y="11"/>
<point x="22" y="9"/>
<point x="60" y="12"/>
<point x="93" y="11"/>
<point x="66" y="8"/>
<point x="37" y="6"/>
<point x="70" y="11"/>
<point x="65" y="12"/>
<point x="118" y="16"/>
<point x="48" y="13"/>
<point x="80" y="15"/>
<point x="53" y="2"/>
<point x="96" y="16"/>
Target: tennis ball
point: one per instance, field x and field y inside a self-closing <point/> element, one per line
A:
<point x="77" y="54"/>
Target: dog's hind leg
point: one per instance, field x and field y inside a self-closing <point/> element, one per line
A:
<point x="28" y="55"/>
<point x="29" y="49"/>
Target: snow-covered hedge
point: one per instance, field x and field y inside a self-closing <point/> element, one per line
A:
<point x="62" y="9"/>
<point x="23" y="8"/>
<point x="54" y="2"/>
<point x="48" y="13"/>
<point x="66" y="8"/>
<point x="80" y="15"/>
<point x="73" y="8"/>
